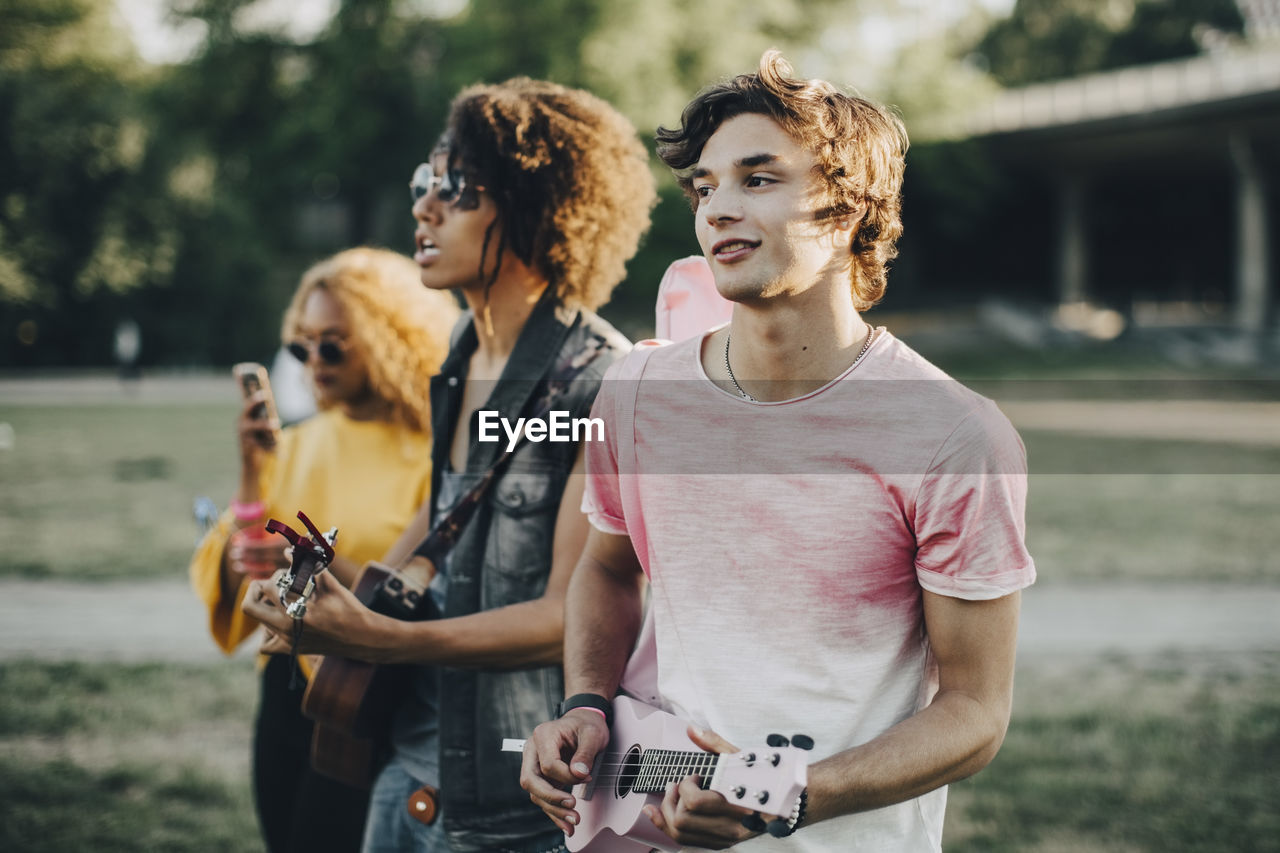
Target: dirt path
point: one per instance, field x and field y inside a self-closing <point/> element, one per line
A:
<point x="55" y="620"/>
<point x="133" y="621"/>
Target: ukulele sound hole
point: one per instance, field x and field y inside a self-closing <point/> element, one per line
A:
<point x="629" y="771"/>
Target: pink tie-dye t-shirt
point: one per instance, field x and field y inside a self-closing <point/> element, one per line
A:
<point x="787" y="545"/>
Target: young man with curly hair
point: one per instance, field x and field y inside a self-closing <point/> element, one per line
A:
<point x="831" y="527"/>
<point x="529" y="207"/>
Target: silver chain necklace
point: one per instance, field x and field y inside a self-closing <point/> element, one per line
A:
<point x="866" y="345"/>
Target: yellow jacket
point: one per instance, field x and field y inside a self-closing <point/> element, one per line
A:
<point x="367" y="478"/>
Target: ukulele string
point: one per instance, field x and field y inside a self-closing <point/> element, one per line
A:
<point x="616" y="770"/>
<point x="655" y="764"/>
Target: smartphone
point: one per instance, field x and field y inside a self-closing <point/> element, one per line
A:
<point x="252" y="378"/>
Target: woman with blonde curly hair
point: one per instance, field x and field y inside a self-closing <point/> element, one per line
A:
<point x="370" y="337"/>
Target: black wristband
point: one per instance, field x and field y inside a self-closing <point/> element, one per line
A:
<point x="587" y="700"/>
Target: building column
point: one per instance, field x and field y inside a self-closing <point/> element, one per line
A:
<point x="1073" y="243"/>
<point x="1252" y="283"/>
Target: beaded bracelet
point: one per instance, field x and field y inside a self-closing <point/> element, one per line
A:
<point x="780" y="828"/>
<point x="797" y="813"/>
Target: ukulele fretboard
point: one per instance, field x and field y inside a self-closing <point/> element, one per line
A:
<point x="661" y="766"/>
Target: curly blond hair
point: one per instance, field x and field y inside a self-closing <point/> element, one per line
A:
<point x="570" y="178"/>
<point x="860" y="147"/>
<point x="400" y="327"/>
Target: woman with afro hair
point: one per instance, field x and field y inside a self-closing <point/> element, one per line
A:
<point x="529" y="207"/>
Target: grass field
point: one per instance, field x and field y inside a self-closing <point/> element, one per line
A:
<point x="126" y="758"/>
<point x="1106" y="756"/>
<point x="105" y="491"/>
<point x="1175" y="754"/>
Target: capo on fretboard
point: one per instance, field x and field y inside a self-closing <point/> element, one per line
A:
<point x="311" y="555"/>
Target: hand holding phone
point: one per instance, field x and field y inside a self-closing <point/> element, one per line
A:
<point x="259" y="421"/>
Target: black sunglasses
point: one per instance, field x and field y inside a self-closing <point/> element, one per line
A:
<point x="449" y="187"/>
<point x="330" y="352"/>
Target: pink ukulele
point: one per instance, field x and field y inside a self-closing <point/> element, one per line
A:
<point x="649" y="748"/>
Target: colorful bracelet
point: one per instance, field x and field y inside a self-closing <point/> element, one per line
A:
<point x="248" y="511"/>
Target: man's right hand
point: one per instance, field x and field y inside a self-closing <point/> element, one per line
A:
<point x="558" y="755"/>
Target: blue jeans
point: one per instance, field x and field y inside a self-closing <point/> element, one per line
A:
<point x="390" y="828"/>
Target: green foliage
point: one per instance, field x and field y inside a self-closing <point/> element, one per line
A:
<point x="1050" y="39"/>
<point x="190" y="197"/>
<point x="1172" y="29"/>
<point x="649" y="58"/>
<point x="82" y="217"/>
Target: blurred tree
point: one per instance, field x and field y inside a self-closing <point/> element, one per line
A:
<point x="1049" y="39"/>
<point x="1173" y="29"/>
<point x="929" y="79"/>
<point x="305" y="148"/>
<point x="189" y="197"/>
<point x="647" y="58"/>
<point x="80" y="215"/>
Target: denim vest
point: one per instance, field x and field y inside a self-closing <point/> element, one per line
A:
<point x="504" y="557"/>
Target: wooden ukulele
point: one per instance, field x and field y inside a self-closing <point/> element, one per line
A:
<point x="352" y="701"/>
<point x="649" y="748"/>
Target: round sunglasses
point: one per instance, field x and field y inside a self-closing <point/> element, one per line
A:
<point x="330" y="352"/>
<point x="449" y="187"/>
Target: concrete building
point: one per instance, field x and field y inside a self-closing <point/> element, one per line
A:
<point x="1212" y="121"/>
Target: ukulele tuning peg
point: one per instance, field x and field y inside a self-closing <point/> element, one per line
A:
<point x="802" y="741"/>
<point x="777" y="740"/>
<point x="754" y="822"/>
<point x="778" y="828"/>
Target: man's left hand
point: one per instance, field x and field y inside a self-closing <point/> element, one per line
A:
<point x="336" y="623"/>
<point x="699" y="818"/>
